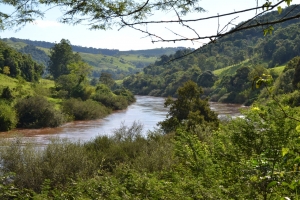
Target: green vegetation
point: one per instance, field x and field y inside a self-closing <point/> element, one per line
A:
<point x="37" y="112"/>
<point x="15" y="64"/>
<point x="84" y="110"/>
<point x="227" y="69"/>
<point x="47" y="103"/>
<point x="36" y="54"/>
<point x="194" y="155"/>
<point x="8" y="117"/>
<point x="188" y="109"/>
<point x="118" y="63"/>
<point x="255" y="157"/>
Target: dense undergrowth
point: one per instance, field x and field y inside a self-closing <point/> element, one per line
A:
<point x="255" y="157"/>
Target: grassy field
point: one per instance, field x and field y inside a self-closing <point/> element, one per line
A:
<point x="230" y="70"/>
<point x="277" y="70"/>
<point x="47" y="51"/>
<point x="106" y="62"/>
<point x="122" y="62"/>
<point x="15" y="45"/>
<point x="7" y="81"/>
<point x="23" y="88"/>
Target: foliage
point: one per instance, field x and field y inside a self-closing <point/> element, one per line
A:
<point x="36" y="54"/>
<point x="254" y="157"/>
<point x="255" y="152"/>
<point x="75" y="83"/>
<point x="228" y="58"/>
<point x="206" y="79"/>
<point x="125" y="93"/>
<point x="188" y="109"/>
<point x="14" y="64"/>
<point x="7" y="94"/>
<point x="84" y="110"/>
<point x="8" y="117"/>
<point x="106" y="79"/>
<point x="59" y="162"/>
<point x="61" y="55"/>
<point x="132" y="14"/>
<point x="116" y="101"/>
<point x="296" y="78"/>
<point x="37" y="112"/>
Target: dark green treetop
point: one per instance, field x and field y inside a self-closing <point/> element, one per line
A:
<point x="188" y="109"/>
<point x="60" y="56"/>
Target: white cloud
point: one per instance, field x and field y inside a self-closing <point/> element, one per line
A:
<point x="47" y="23"/>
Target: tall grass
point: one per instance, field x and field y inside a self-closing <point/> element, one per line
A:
<point x="61" y="161"/>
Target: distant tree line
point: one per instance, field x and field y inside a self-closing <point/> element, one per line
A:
<point x="16" y="64"/>
<point x="248" y="50"/>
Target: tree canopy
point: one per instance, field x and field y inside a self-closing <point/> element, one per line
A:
<point x="60" y="56"/>
<point x="136" y="15"/>
<point x="188" y="109"/>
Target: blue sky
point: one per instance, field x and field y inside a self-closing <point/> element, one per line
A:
<point x="50" y="30"/>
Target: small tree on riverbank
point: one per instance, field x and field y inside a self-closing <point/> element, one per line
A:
<point x="188" y="109"/>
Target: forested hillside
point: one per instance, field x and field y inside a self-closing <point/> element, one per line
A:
<point x="118" y="63"/>
<point x="225" y="68"/>
<point x="27" y="101"/>
<point x="15" y="64"/>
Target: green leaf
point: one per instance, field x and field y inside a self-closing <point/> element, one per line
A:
<point x="285" y="151"/>
<point x="271" y="184"/>
<point x="279" y="9"/>
<point x="298" y="128"/>
<point x="288" y="2"/>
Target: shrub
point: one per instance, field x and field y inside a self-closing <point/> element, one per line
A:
<point x="7" y="94"/>
<point x="84" y="110"/>
<point x="8" y="119"/>
<point x="128" y="145"/>
<point x="125" y="93"/>
<point x="59" y="161"/>
<point x="37" y="112"/>
<point x="111" y="101"/>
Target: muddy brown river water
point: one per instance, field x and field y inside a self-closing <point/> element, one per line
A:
<point x="147" y="110"/>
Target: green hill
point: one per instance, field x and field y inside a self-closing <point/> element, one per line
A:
<point x="118" y="63"/>
<point x="226" y="68"/>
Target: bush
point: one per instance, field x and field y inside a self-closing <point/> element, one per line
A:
<point x="7" y="94"/>
<point x="111" y="101"/>
<point x="84" y="110"/>
<point x="8" y="119"/>
<point x="125" y="93"/>
<point x="128" y="145"/>
<point x="59" y="161"/>
<point x="37" y="112"/>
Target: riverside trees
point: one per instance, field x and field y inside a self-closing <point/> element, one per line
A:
<point x="188" y="109"/>
<point x="61" y="55"/>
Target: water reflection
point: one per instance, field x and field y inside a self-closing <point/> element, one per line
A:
<point x="146" y="110"/>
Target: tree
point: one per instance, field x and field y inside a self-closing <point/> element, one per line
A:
<point x="37" y="112"/>
<point x="14" y="64"/>
<point x="106" y="78"/>
<point x="75" y="83"/>
<point x="7" y="94"/>
<point x="259" y="154"/>
<point x="60" y="56"/>
<point x="133" y="14"/>
<point x="296" y="78"/>
<point x="188" y="109"/>
<point x="207" y="79"/>
<point x="6" y="70"/>
<point x="8" y="117"/>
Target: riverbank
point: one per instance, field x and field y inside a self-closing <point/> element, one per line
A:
<point x="147" y="110"/>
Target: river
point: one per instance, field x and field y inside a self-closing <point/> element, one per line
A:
<point x="146" y="110"/>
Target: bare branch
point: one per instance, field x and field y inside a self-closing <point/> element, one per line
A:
<point x="211" y="17"/>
